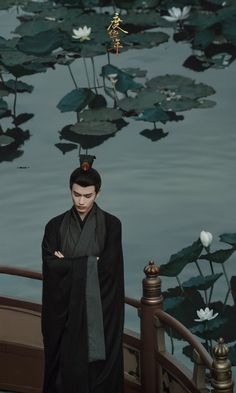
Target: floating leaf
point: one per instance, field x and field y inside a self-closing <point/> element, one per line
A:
<point x="135" y="72"/>
<point x="35" y="26"/>
<point x="229" y="238"/>
<point x="40" y="44"/>
<point x="179" y="105"/>
<point x="178" y="261"/>
<point x="203" y="38"/>
<point x="95" y="128"/>
<point x="76" y="100"/>
<point x="102" y="114"/>
<point x="220" y="256"/>
<point x="145" y="99"/>
<point x="201" y="283"/>
<point x="145" y="39"/>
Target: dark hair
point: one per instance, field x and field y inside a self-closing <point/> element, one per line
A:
<point x="86" y="178"/>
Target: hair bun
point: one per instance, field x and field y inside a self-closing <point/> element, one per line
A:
<point x="86" y="162"/>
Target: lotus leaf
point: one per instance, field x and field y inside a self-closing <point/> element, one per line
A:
<point x="3" y="107"/>
<point x="4" y="5"/>
<point x="98" y="128"/>
<point x="35" y="26"/>
<point x="6" y="140"/>
<point x="125" y="81"/>
<point x="92" y="49"/>
<point x="145" y="40"/>
<point x="208" y="329"/>
<point x="232" y="355"/>
<point x="149" y="19"/>
<point x="229" y="238"/>
<point x="102" y="114"/>
<point x="22" y="118"/>
<point x="154" y="115"/>
<point x="179" y="105"/>
<point x="203" y="38"/>
<point x="145" y="99"/>
<point x="76" y="100"/>
<point x="169" y="82"/>
<point x="18" y="86"/>
<point x="40" y="44"/>
<point x="220" y="256"/>
<point x="229" y="30"/>
<point x="66" y="147"/>
<point x="178" y="261"/>
<point x="135" y="72"/>
<point x="172" y="302"/>
<point x="202" y="283"/>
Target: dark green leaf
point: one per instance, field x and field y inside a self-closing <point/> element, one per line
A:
<point x="6" y="140"/>
<point x="145" y="39"/>
<point x="145" y="99"/>
<point x="76" y="100"/>
<point x="220" y="256"/>
<point x="98" y="128"/>
<point x="23" y="118"/>
<point x="201" y="283"/>
<point x="19" y="86"/>
<point x="178" y="261"/>
<point x="229" y="238"/>
<point x="102" y="114"/>
<point x="154" y="115"/>
<point x="124" y="82"/>
<point x="203" y="38"/>
<point x="172" y="302"/>
<point x="40" y="44"/>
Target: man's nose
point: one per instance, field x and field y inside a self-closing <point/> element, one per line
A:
<point x="81" y="200"/>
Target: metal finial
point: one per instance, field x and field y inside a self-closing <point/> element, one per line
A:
<point x="151" y="270"/>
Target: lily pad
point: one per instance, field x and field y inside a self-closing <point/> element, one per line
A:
<point x="145" y="99"/>
<point x="66" y="147"/>
<point x="229" y="238"/>
<point x="135" y="72"/>
<point x="35" y="26"/>
<point x="95" y="128"/>
<point x="40" y="44"/>
<point x="172" y="302"/>
<point x="203" y="38"/>
<point x="178" y="261"/>
<point x="201" y="283"/>
<point x="220" y="256"/>
<point x="76" y="100"/>
<point x="102" y="114"/>
<point x="145" y="39"/>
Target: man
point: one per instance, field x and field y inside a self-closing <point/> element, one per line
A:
<point x="83" y="293"/>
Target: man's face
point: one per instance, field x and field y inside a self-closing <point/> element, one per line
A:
<point x="83" y="198"/>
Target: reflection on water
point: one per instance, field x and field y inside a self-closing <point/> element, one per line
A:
<point x="165" y="192"/>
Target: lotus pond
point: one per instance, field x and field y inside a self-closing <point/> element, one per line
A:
<point x="159" y="117"/>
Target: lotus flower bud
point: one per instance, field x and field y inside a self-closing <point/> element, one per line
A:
<point x="206" y="238"/>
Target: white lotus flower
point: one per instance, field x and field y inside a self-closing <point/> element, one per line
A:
<point x="206" y="238"/>
<point x="176" y="14"/>
<point x="113" y="78"/>
<point x="82" y="33"/>
<point x="205" y="315"/>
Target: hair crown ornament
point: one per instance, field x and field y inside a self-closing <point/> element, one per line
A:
<point x="86" y="162"/>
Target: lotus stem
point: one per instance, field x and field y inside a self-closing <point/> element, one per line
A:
<point x="94" y="75"/>
<point x="15" y="99"/>
<point x="86" y="71"/>
<point x="199" y="269"/>
<point x="226" y="298"/>
<point x="180" y="285"/>
<point x="155" y="126"/>
<point x="72" y="76"/>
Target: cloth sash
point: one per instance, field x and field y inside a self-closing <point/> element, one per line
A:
<point x="89" y="241"/>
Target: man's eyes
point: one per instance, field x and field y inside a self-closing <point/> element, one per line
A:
<point x="86" y="196"/>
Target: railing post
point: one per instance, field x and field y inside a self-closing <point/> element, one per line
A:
<point x="150" y="302"/>
<point x="221" y="369"/>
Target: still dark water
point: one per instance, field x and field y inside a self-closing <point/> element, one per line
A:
<point x="164" y="192"/>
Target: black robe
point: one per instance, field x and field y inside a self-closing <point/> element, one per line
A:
<point x="64" y="324"/>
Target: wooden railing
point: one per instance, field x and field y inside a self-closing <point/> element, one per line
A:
<point x="149" y="368"/>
